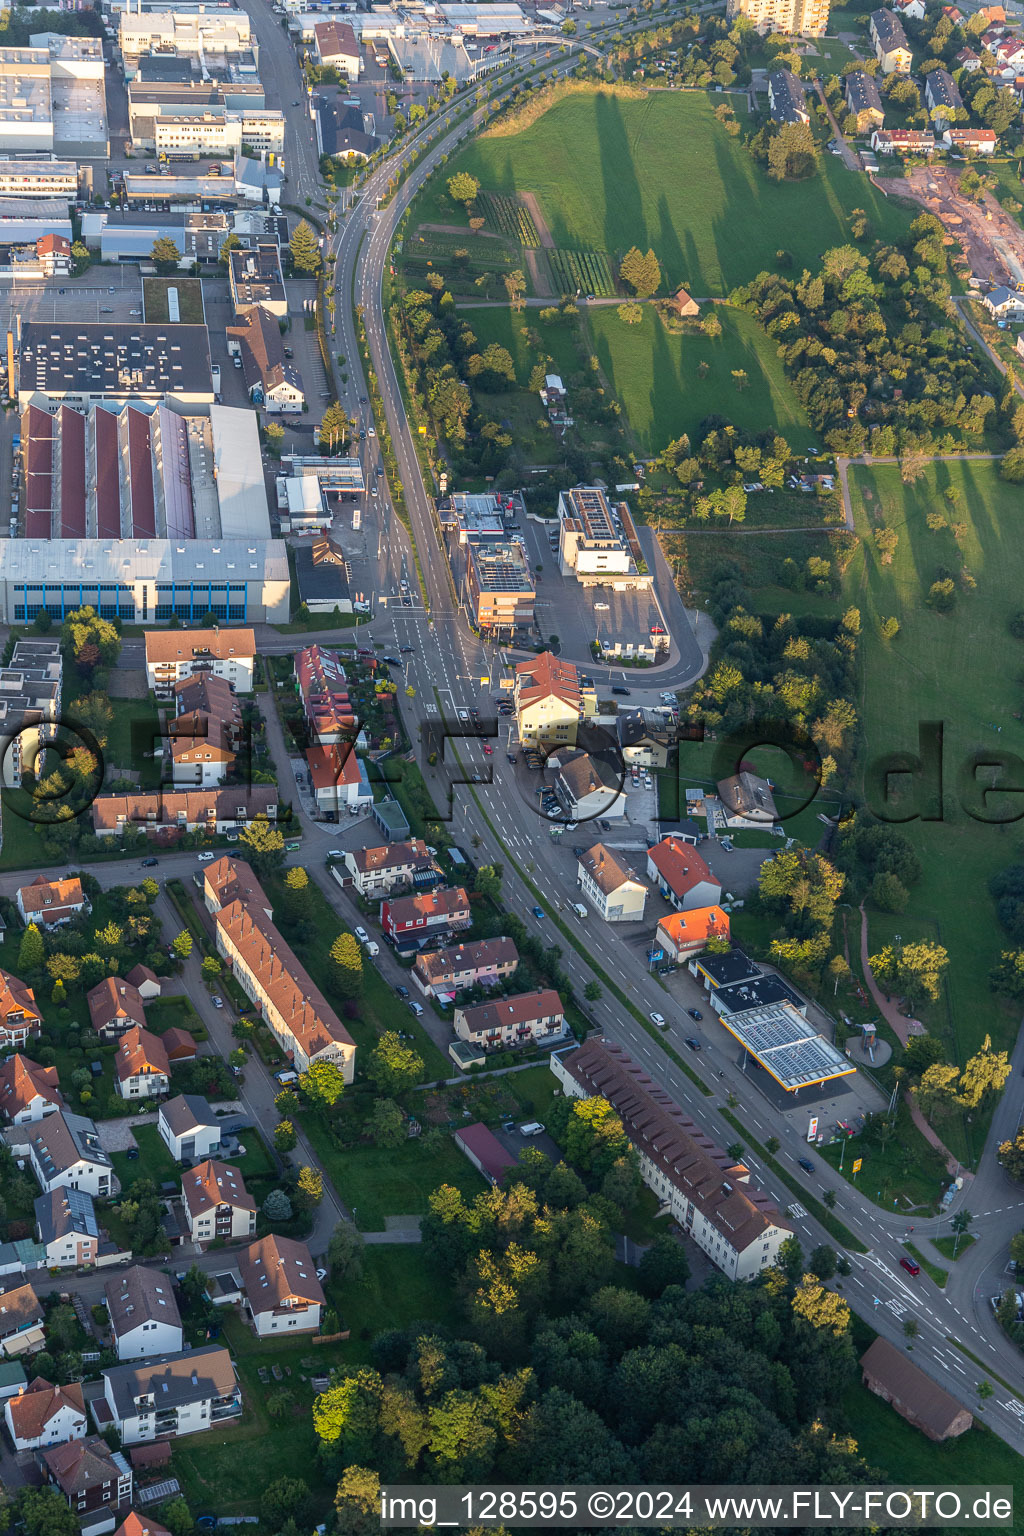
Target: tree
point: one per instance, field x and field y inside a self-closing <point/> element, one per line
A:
<point x="165" y="254"/>
<point x="823" y="1261"/>
<point x="285" y="1138"/>
<point x="95" y="712"/>
<point x="335" y="429"/>
<point x="347" y="965"/>
<point x="488" y="883"/>
<point x="463" y="188"/>
<point x="287" y="1498"/>
<point x="890" y="628"/>
<point x="211" y="968"/>
<point x="277" y="1206"/>
<point x="985" y="1073"/>
<point x="323" y="1084"/>
<point x="1011" y="1156"/>
<point x="959" y="1223"/>
<point x="393" y="1067"/>
<point x="62" y="1327"/>
<point x="31" y="951"/>
<point x="886" y="539"/>
<point x="888" y="893"/>
<point x="791" y="1258"/>
<point x="387" y="1124"/>
<point x="663" y="1264"/>
<point x="515" y="287"/>
<point x="1017" y="1250"/>
<point x="305" y="249"/>
<point x="792" y="152"/>
<point x="43" y="1512"/>
<point x="181" y="944"/>
<point x="176" y="1517"/>
<point x="89" y="641"/>
<point x="345" y="1252"/>
<point x="310" y="1187"/>
<point x="231" y="243"/>
<point x="357" y="1504"/>
<point x="641" y="272"/>
<point x="630" y="314"/>
<point x="936" y="1093"/>
<point x="264" y="845"/>
<point x="821" y="1308"/>
<point x="592" y="991"/>
<point x="287" y="1103"/>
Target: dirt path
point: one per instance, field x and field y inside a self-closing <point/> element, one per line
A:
<point x="540" y="274"/>
<point x="457" y="229"/>
<point x="529" y="201"/>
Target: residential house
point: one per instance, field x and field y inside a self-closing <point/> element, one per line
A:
<point x="272" y="382"/>
<point x="442" y="973"/>
<point x="66" y="1228"/>
<point x="550" y="701"/>
<point x="22" y="1329"/>
<point x="136" y="1525"/>
<point x="267" y="970"/>
<point x="1020" y="344"/>
<point x="953" y="14"/>
<point x="683" y="304"/>
<point x="529" y="1018"/>
<point x="321" y="570"/>
<point x="707" y="1191"/>
<point x="341" y="130"/>
<point x="188" y="1127"/>
<point x="890" y="43"/>
<point x="201" y="757"/>
<point x="168" y="813"/>
<point x="415" y="921"/>
<point x="227" y="880"/>
<point x="144" y="1317"/>
<point x="747" y="800"/>
<point x="864" y="100"/>
<point x="787" y="100"/>
<point x="28" y="1092"/>
<point x="92" y="1478"/>
<point x="141" y="1065"/>
<point x="42" y="1414"/>
<point x="322" y="685"/>
<point x="115" y="1006"/>
<point x="146" y="982"/>
<point x="484" y="1151"/>
<point x="338" y="778"/>
<point x="589" y="787"/>
<point x="683" y="934"/>
<point x="942" y="97"/>
<point x="1009" y="54"/>
<point x="338" y="48"/>
<point x="913" y="10"/>
<point x="970" y="141"/>
<point x="282" y="1292"/>
<point x="53" y="253"/>
<point x="645" y="737"/>
<point x="555" y="399"/>
<point x="217" y="1204"/>
<point x="19" y="1015"/>
<point x="891" y="1375"/>
<point x="65" y="1152"/>
<point x="379" y="871"/>
<point x="610" y="886"/>
<point x="902" y="141"/>
<point x="682" y="876"/>
<point x="1004" y="303"/>
<point x="49" y="903"/>
<point x="173" y="653"/>
<point x="968" y="61"/>
<point x="171" y="1395"/>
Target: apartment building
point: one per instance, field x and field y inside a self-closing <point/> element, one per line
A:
<point x="301" y="1019"/>
<point x="282" y="1292"/>
<point x="610" y="886"/>
<point x="412" y="922"/>
<point x="30" y="703"/>
<point x="596" y="541"/>
<point x="379" y="871"/>
<point x="890" y="43"/>
<point x="530" y="1018"/>
<point x="706" y="1191"/>
<point x="442" y="973"/>
<point x="800" y="18"/>
<point x="550" y="701"/>
<point x="173" y="654"/>
<point x="171" y="1396"/>
<point x="217" y="1204"/>
<point x="19" y="1015"/>
<point x="144" y="1316"/>
<point x="681" y="875"/>
<point x="684" y="934"/>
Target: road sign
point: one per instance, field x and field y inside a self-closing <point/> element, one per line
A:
<point x="858" y="1163"/>
<point x="812" y="1129"/>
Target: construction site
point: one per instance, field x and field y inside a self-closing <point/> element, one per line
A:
<point x="991" y="238"/>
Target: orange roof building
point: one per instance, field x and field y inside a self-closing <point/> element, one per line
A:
<point x="141" y="1065"/>
<point x="19" y="1016"/>
<point x="27" y="1090"/>
<point x="683" y="934"/>
<point x="550" y="701"/>
<point x="51" y="902"/>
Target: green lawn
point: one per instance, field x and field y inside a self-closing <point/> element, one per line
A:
<point x="655" y="375"/>
<point x="608" y="173"/>
<point x="398" y="1288"/>
<point x="375" y="1182"/>
<point x="510" y="330"/>
<point x="153" y="1162"/>
<point x="940" y="668"/>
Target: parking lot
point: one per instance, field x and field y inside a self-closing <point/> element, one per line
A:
<point x="101" y="293"/>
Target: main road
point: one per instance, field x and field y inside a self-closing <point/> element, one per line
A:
<point x="451" y="670"/>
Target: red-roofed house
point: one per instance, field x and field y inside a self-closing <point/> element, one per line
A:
<point x="53" y="253"/>
<point x="28" y="1091"/>
<point x="141" y="1064"/>
<point x="114" y="1006"/>
<point x="682" y="875"/>
<point x="682" y="934"/>
<point x="48" y="903"/>
<point x="43" y="1414"/>
<point x="323" y="688"/>
<point x="412" y="921"/>
<point x="19" y="1016"/>
<point x="338" y="778"/>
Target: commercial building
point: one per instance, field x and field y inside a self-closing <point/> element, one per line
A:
<point x="589" y="786"/>
<point x="498" y="588"/>
<point x="341" y="131"/>
<point x="184" y="132"/>
<point x="684" y="934"/>
<point x="530" y="1018"/>
<point x="338" y="47"/>
<point x="597" y="542"/>
<point x="255" y="277"/>
<point x="787" y="100"/>
<point x="80" y="361"/>
<point x="30" y="703"/>
<point x="706" y="1191"/>
<point x="804" y="18"/>
<point x="45" y="179"/>
<point x="203" y="32"/>
<point x="52" y="97"/>
<point x="129" y="235"/>
<point x="551" y="702"/>
<point x="170" y="1396"/>
<point x="304" y="1023"/>
<point x="890" y="43"/>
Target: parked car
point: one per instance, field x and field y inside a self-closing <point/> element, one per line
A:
<point x="622" y="692"/>
<point x="218" y="1002"/>
<point x="695" y="1013"/>
<point x="531" y="1128"/>
<point x="362" y="935"/>
<point x="206" y="858"/>
<point x="335" y="853"/>
<point x="403" y="992"/>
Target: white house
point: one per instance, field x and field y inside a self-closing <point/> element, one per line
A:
<point x="43" y="1414"/>
<point x="28" y="1091"/>
<point x="64" y="1151"/>
<point x="682" y="876"/>
<point x="217" y="1204"/>
<point x="282" y="1292"/>
<point x="615" y="893"/>
<point x="909" y="10"/>
<point x="144" y="1317"/>
<point x="1004" y="303"/>
<point x="141" y="1066"/>
<point x="174" y="1396"/>
<point x="172" y="654"/>
<point x="66" y="1228"/>
<point x="589" y="787"/>
<point x="188" y="1127"/>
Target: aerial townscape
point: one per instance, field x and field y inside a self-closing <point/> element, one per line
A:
<point x="511" y="743"/>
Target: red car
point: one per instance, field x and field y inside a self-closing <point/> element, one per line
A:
<point x="910" y="1267"/>
<point x="488" y="751"/>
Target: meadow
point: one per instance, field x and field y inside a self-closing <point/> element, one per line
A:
<point x="654" y="373"/>
<point x="962" y="669"/>
<point x="611" y="171"/>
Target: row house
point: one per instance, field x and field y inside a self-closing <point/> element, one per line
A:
<point x="442" y="973"/>
<point x="173" y="654"/>
<point x="205" y="736"/>
<point x="526" y="1019"/>
<point x="170" y="1396"/>
<point x="213" y="811"/>
<point x="322" y="685"/>
<point x="902" y="141"/>
<point x="706" y="1190"/>
<point x="303" y="1022"/>
<point x="412" y="922"/>
<point x="378" y="871"/>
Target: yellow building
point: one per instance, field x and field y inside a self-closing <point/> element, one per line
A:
<point x="550" y="701"/>
<point x="803" y="18"/>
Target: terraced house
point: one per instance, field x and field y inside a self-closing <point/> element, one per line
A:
<point x="526" y="1019"/>
<point x="442" y="973"/>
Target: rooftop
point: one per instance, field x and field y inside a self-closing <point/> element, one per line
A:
<point x="115" y="359"/>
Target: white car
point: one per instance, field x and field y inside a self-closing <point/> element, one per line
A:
<point x="362" y="935"/>
<point x="335" y="853"/>
<point x="218" y="1002"/>
<point x="531" y="1128"/>
<point x="659" y="1019"/>
<point x="207" y="858"/>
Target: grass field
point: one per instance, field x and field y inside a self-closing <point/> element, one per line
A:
<point x="510" y="330"/>
<point x="190" y="299"/>
<point x="608" y="174"/>
<point x="940" y="668"/>
<point x="654" y="374"/>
